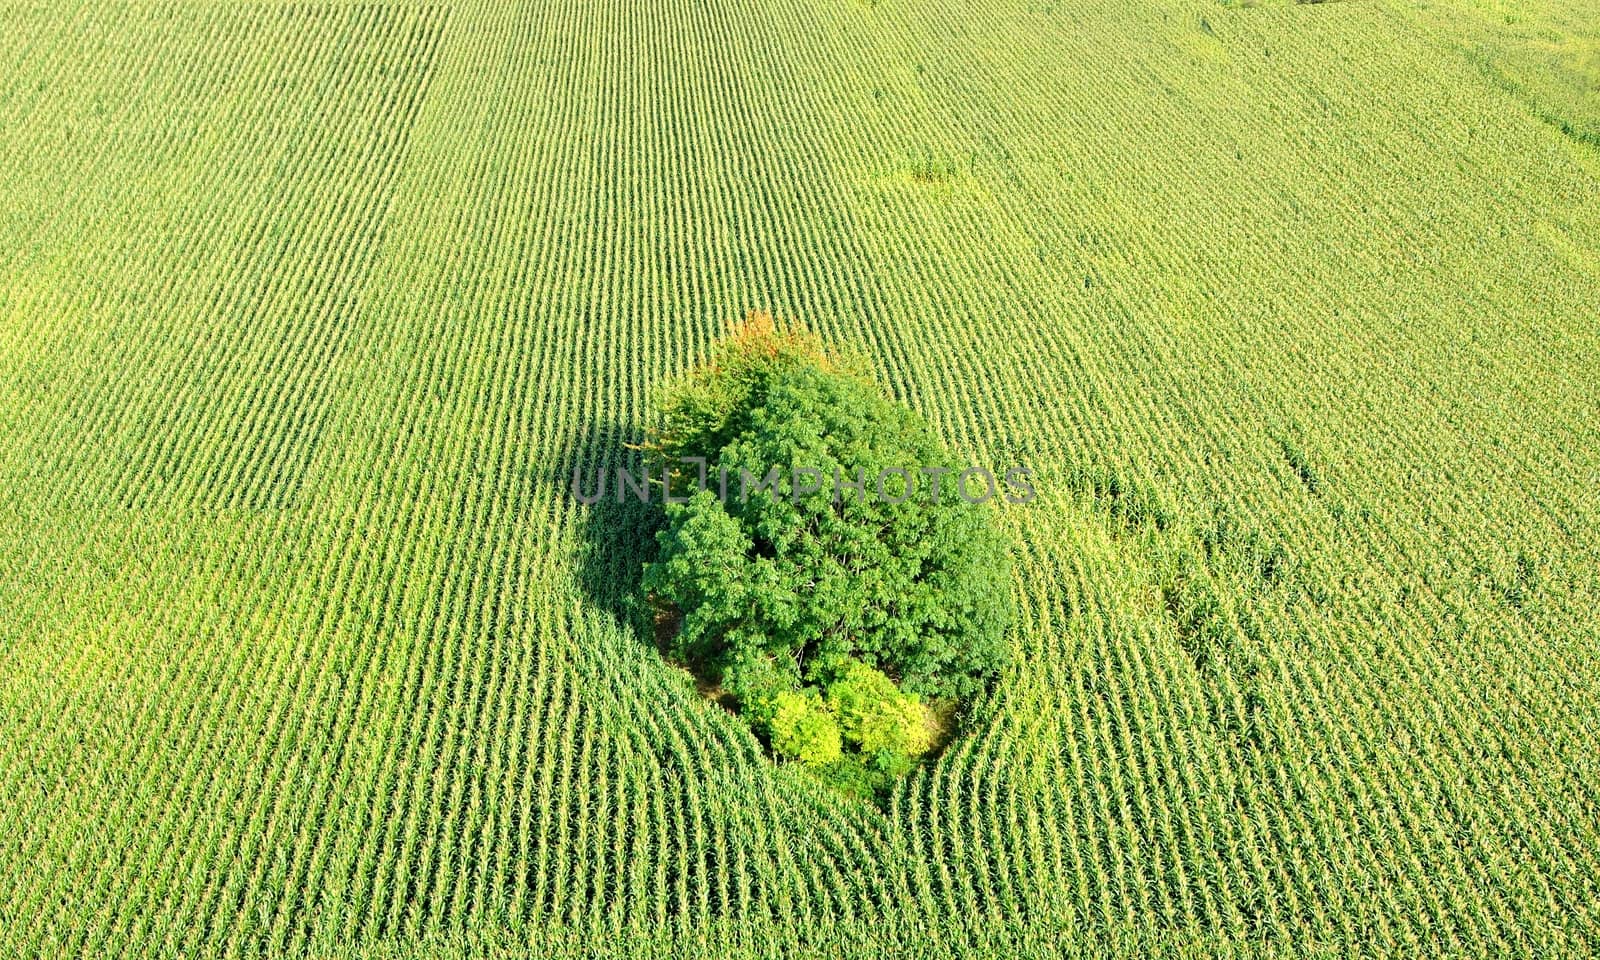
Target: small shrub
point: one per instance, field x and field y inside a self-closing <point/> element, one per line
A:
<point x="802" y="729"/>
<point x="876" y="716"/>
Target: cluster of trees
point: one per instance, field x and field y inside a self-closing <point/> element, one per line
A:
<point x="844" y="626"/>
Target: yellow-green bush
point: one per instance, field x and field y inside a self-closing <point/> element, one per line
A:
<point x="802" y="729"/>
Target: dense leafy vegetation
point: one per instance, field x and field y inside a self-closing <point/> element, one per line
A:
<point x="821" y="560"/>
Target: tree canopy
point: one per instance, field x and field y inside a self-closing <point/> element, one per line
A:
<point x="816" y="575"/>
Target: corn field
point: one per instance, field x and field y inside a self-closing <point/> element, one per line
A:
<point x="308" y="311"/>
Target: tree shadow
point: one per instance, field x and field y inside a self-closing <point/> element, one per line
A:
<point x="617" y="533"/>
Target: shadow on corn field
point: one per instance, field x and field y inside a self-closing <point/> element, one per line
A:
<point x="616" y="516"/>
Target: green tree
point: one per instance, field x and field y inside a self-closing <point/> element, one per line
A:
<point x="793" y="573"/>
